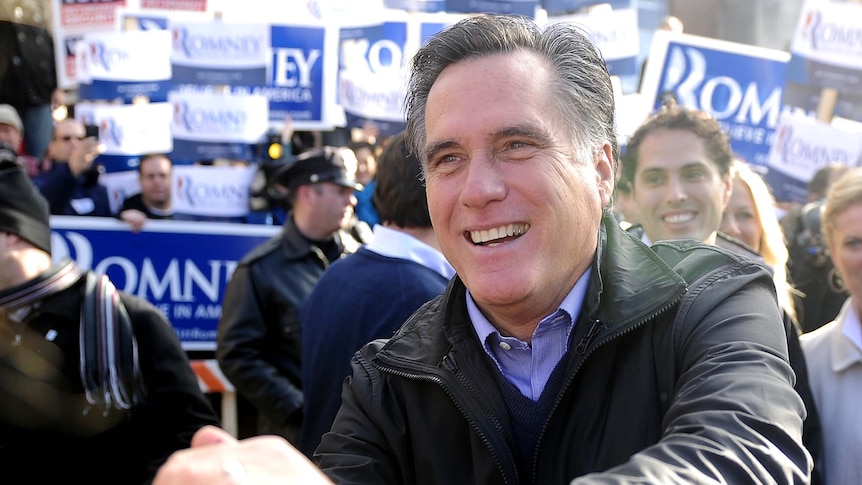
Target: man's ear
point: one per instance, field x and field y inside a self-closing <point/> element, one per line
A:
<point x="728" y="188"/>
<point x="605" y="173"/>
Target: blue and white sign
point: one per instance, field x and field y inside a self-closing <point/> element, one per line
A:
<point x="827" y="46"/>
<point x="416" y="5"/>
<point x="373" y="74"/>
<point x="207" y="126"/>
<point x="219" y="53"/>
<point x="557" y="7"/>
<point x="521" y="7"/>
<point x="614" y="33"/>
<point x="128" y="64"/>
<point x="212" y="191"/>
<point x="804" y="145"/>
<point x="182" y="268"/>
<point x="301" y="83"/>
<point x="740" y="85"/>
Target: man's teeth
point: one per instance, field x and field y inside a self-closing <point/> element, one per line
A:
<point x="679" y="218"/>
<point x="480" y="237"/>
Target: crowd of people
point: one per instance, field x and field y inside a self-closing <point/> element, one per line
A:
<point x="497" y="294"/>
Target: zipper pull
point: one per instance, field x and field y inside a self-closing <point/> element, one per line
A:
<point x="449" y="363"/>
<point x="591" y="334"/>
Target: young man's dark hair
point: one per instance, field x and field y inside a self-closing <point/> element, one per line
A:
<point x="400" y="200"/>
<point x="675" y="117"/>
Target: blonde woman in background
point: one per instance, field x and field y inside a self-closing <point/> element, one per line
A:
<point x="834" y="351"/>
<point x="750" y="217"/>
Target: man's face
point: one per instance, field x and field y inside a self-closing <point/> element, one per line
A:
<point x="515" y="212"/>
<point x="10" y="135"/>
<point x="677" y="187"/>
<point x="331" y="207"/>
<point x="156" y="182"/>
<point x="67" y="135"/>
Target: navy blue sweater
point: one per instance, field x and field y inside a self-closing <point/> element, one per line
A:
<point x="359" y="298"/>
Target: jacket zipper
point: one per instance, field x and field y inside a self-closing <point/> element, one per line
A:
<point x="581" y="350"/>
<point x="450" y="365"/>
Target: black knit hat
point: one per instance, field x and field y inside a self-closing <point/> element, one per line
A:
<point x="23" y="210"/>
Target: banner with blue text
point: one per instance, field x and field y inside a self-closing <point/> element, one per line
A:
<point x="181" y="267"/>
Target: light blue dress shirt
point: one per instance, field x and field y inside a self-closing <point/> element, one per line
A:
<point x="529" y="365"/>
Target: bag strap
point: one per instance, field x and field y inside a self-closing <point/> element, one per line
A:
<point x="110" y="368"/>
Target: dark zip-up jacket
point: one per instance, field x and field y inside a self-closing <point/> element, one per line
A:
<point x="677" y="373"/>
<point x="258" y="344"/>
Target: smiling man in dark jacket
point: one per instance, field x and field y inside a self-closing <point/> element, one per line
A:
<point x="564" y="350"/>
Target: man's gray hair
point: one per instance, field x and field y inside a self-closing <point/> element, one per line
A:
<point x="583" y="85"/>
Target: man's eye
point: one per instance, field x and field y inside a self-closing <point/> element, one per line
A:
<point x="695" y="175"/>
<point x="652" y="179"/>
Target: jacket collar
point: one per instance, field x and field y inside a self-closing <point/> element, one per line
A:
<point x="843" y="351"/>
<point x="295" y="246"/>
<point x="630" y="282"/>
<point x="628" y="285"/>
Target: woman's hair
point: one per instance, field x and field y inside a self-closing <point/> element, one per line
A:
<point x="844" y="193"/>
<point x="773" y="247"/>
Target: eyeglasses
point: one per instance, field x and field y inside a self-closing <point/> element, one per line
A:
<point x="70" y="138"/>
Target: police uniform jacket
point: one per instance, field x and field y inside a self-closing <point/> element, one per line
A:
<point x="258" y="340"/>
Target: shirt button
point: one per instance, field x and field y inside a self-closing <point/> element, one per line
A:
<point x="505" y="346"/>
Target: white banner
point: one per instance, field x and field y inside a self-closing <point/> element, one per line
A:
<point x="614" y="32"/>
<point x="222" y="118"/>
<point x="142" y="55"/>
<point x="829" y="32"/>
<point x="220" y="44"/>
<point x="802" y="146"/>
<point x="130" y="129"/>
<point x="212" y="191"/>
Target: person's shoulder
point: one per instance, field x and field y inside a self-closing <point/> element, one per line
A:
<point x="819" y="336"/>
<point x="694" y="259"/>
<point x="262" y="250"/>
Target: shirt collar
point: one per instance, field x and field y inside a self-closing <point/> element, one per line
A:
<point x="847" y="346"/>
<point x="398" y="244"/>
<point x="571" y="305"/>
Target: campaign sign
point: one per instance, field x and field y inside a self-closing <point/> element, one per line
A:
<point x="130" y="129"/>
<point x="557" y="7"/>
<point x="88" y="13"/>
<point x="416" y="5"/>
<point x="615" y="35"/>
<point x="826" y="49"/>
<point x="372" y="73"/>
<point x="520" y="7"/>
<point x="195" y="5"/>
<point x="219" y="53"/>
<point x="206" y="126"/>
<point x="180" y="267"/>
<point x="121" y="184"/>
<point x="301" y="83"/>
<point x="804" y="145"/>
<point x="122" y="65"/>
<point x="431" y="24"/>
<point x="212" y="191"/>
<point x="740" y="85"/>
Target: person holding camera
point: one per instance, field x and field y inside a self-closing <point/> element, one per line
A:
<point x="810" y="266"/>
<point x="71" y="184"/>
